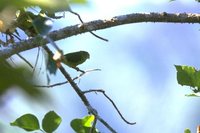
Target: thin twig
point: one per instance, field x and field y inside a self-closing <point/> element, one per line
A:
<point x="19" y="55"/>
<point x="51" y="86"/>
<point x="114" y="105"/>
<point x="36" y="61"/>
<point x="65" y="82"/>
<point x="79" y="17"/>
<point x="25" y="60"/>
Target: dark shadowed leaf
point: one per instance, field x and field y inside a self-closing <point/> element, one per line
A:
<point x="27" y="122"/>
<point x="186" y="75"/>
<point x="51" y="121"/>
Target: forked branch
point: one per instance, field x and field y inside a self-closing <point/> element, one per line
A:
<point x="80" y="94"/>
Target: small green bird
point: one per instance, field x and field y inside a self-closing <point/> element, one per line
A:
<point x="75" y="58"/>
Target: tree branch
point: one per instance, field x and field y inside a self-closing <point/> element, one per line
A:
<point x="114" y="105"/>
<point x="97" y="25"/>
<point x="65" y="82"/>
<point x="80" y="94"/>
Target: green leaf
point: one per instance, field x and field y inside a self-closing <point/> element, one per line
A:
<point x="192" y="95"/>
<point x="187" y="130"/>
<point x="186" y="75"/>
<point x="87" y="120"/>
<point x="51" y="121"/>
<point x="77" y="125"/>
<point x="189" y="76"/>
<point x="27" y="122"/>
<point x="52" y="5"/>
<point x="83" y="125"/>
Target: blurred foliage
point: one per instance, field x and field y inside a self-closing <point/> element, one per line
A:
<point x="30" y="122"/>
<point x="77" y="1"/>
<point x="53" y="5"/>
<point x="32" y="24"/>
<point x="187" y="130"/>
<point x="9" y="9"/>
<point x="21" y="77"/>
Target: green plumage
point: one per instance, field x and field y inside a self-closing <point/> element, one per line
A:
<point x="76" y="58"/>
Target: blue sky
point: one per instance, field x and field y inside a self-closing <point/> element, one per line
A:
<point x="137" y="69"/>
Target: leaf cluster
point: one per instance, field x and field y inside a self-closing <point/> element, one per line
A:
<point x="189" y="76"/>
<point x="52" y="121"/>
<point x="30" y="122"/>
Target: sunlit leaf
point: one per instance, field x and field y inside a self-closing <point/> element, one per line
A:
<point x="51" y="121"/>
<point x="83" y="125"/>
<point x="87" y="120"/>
<point x="193" y="95"/>
<point x="27" y="122"/>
